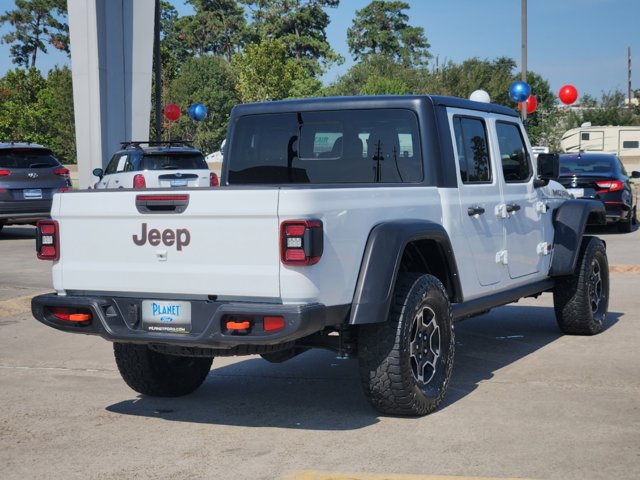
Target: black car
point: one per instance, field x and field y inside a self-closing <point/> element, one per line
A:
<point x="29" y="176"/>
<point x="602" y="176"/>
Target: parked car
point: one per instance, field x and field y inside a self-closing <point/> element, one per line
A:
<point x="602" y="177"/>
<point x="156" y="165"/>
<point x="29" y="176"/>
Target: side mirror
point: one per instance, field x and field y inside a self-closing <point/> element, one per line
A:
<point x="635" y="174"/>
<point x="98" y="172"/>
<point x="548" y="168"/>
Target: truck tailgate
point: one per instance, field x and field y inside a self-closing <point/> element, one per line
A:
<point x="224" y="243"/>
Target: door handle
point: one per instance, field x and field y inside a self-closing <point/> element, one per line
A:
<point x="477" y="210"/>
<point x="512" y="207"/>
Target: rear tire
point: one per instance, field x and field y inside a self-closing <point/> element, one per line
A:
<point x="406" y="362"/>
<point x="157" y="374"/>
<point x="582" y="299"/>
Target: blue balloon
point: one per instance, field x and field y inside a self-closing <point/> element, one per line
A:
<point x="197" y="112"/>
<point x="519" y="91"/>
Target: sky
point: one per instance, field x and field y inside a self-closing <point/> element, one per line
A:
<point x="579" y="42"/>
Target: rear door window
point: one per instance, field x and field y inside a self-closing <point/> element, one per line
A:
<point x="473" y="150"/>
<point x="351" y="146"/>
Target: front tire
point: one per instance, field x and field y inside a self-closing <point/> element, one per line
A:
<point x="406" y="362"/>
<point x="582" y="299"/>
<point x="158" y="374"/>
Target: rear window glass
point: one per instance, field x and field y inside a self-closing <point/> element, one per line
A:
<point x="27" y="159"/>
<point x="173" y="162"/>
<point x="353" y="146"/>
<point x="582" y="166"/>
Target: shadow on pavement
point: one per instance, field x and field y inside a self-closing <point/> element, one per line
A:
<point x="317" y="391"/>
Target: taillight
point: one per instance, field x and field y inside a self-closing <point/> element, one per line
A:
<point x="63" y="172"/>
<point x="301" y="242"/>
<point x="64" y="189"/>
<point x="47" y="240"/>
<point x="610" y="186"/>
<point x="4" y="173"/>
<point x="213" y="180"/>
<point x="139" y="182"/>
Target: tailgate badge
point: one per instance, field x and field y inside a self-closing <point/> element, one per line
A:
<point x="32" y="175"/>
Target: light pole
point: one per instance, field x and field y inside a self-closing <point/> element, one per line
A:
<point x="523" y="108"/>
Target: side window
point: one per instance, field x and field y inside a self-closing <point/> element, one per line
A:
<point x="473" y="150"/>
<point x="513" y="153"/>
<point x="116" y="164"/>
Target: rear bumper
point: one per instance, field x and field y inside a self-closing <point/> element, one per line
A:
<point x="27" y="211"/>
<point x="118" y="319"/>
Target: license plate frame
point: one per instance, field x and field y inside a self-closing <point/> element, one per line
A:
<point x="166" y="316"/>
<point x="32" y="194"/>
<point x="178" y="182"/>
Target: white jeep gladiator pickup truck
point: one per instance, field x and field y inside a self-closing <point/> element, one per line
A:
<point x="364" y="225"/>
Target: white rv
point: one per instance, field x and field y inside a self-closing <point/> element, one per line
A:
<point x="624" y="141"/>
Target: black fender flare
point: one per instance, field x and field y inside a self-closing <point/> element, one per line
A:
<point x="381" y="262"/>
<point x="569" y="222"/>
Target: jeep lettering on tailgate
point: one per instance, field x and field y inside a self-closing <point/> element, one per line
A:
<point x="180" y="237"/>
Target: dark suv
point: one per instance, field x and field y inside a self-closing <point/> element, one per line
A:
<point x="29" y="176"/>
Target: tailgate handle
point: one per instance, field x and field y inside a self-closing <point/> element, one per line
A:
<point x="162" y="203"/>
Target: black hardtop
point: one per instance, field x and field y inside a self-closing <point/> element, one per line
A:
<point x="364" y="102"/>
<point x="153" y="148"/>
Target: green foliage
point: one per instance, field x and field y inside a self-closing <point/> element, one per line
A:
<point x="300" y="25"/>
<point x="267" y="72"/>
<point x="209" y="80"/>
<point x="381" y="28"/>
<point x="376" y="75"/>
<point x="217" y="27"/>
<point x="36" y="24"/>
<point x="34" y="109"/>
<point x="610" y="110"/>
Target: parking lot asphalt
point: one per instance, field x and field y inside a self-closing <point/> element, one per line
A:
<point x="525" y="401"/>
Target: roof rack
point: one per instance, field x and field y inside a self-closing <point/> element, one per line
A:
<point x="137" y="143"/>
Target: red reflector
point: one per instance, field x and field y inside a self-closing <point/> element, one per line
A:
<point x="232" y="325"/>
<point x="4" y="173"/>
<point x="139" y="182"/>
<point x="213" y="180"/>
<point x="64" y="189"/>
<point x="63" y="313"/>
<point x="273" y="323"/>
<point x="161" y="198"/>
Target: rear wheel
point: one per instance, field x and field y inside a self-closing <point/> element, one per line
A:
<point x="582" y="299"/>
<point x="406" y="362"/>
<point x="158" y="374"/>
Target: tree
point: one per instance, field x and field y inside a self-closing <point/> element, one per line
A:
<point x="381" y="28"/>
<point x="209" y="80"/>
<point x="35" y="23"/>
<point x="267" y="72"/>
<point x="300" y="25"/>
<point x="39" y="110"/>
<point x="217" y="26"/>
<point x="376" y="75"/>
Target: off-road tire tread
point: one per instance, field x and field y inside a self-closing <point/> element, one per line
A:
<point x="571" y="294"/>
<point x="157" y="374"/>
<point x="387" y="385"/>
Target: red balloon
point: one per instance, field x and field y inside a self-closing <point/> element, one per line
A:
<point x="172" y="112"/>
<point x="532" y="104"/>
<point x="568" y="94"/>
